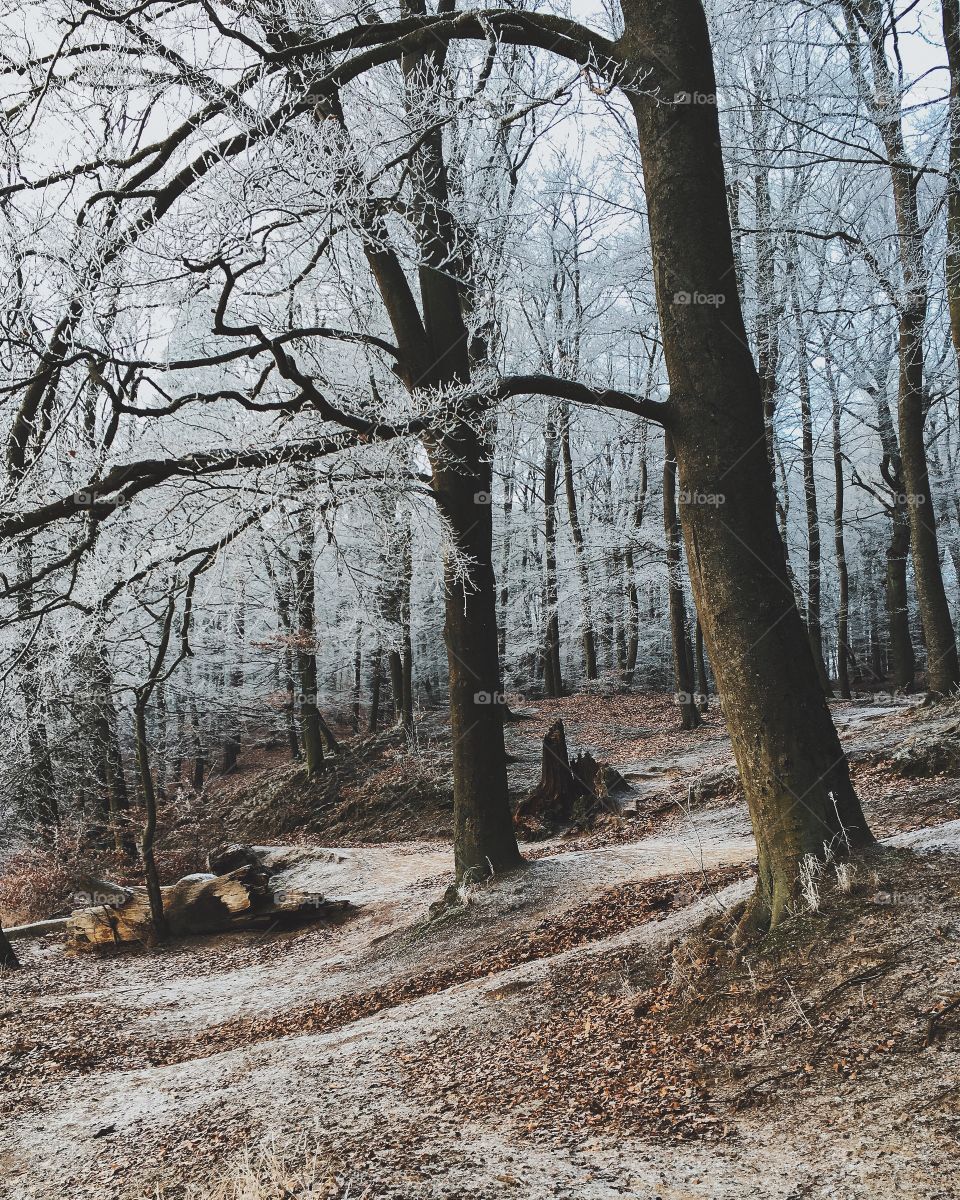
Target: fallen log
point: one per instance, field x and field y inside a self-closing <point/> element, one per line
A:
<point x="37" y="928"/>
<point x="245" y="897"/>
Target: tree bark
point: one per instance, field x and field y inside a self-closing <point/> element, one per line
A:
<point x="148" y="837"/>
<point x="376" y="678"/>
<point x="579" y="548"/>
<point x="679" y="635"/>
<point x="553" y="677"/>
<point x="794" y="772"/>
<point x="950" y="11"/>
<point x="311" y="732"/>
<point x="814" y="616"/>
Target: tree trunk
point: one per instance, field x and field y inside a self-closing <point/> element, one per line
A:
<point x="109" y="758"/>
<point x="43" y="796"/>
<point x="233" y="738"/>
<point x="943" y="664"/>
<point x="376" y="675"/>
<point x="950" y="10"/>
<point x="839" y="544"/>
<point x="703" y="685"/>
<point x="151" y="876"/>
<point x="633" y="594"/>
<point x="679" y="635"/>
<point x="311" y="731"/>
<point x="483" y="825"/>
<point x="814" y="617"/>
<point x="579" y="548"/>
<point x="902" y="662"/>
<point x="553" y="676"/>
<point x="794" y="772"/>
<point x="357" y="681"/>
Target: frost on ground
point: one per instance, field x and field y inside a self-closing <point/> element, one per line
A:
<point x="564" y="1032"/>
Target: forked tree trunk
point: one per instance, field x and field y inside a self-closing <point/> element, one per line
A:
<point x="436" y="348"/>
<point x="794" y="772"/>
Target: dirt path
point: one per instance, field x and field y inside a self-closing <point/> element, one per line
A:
<point x="133" y="1120"/>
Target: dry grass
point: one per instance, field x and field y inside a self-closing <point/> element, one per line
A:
<point x="271" y="1173"/>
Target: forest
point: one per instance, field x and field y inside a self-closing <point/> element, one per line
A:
<point x="479" y="590"/>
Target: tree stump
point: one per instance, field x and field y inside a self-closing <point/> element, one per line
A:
<point x="567" y="792"/>
<point x="8" y="958"/>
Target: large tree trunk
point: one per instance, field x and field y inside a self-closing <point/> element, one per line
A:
<point x="793" y="769"/>
<point x="483" y="827"/>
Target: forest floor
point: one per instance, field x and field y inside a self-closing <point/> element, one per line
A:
<point x="569" y="1030"/>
